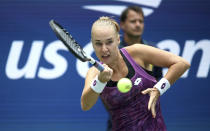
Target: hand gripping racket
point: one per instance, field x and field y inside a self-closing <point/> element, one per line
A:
<point x="72" y="45"/>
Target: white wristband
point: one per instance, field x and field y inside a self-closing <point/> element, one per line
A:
<point x="97" y="86"/>
<point x="163" y="85"/>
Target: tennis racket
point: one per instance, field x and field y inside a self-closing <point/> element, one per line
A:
<point x="72" y="45"/>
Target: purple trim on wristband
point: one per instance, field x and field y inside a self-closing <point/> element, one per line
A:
<point x="94" y="83"/>
<point x="163" y="85"/>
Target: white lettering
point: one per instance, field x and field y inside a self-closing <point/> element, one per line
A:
<point x="190" y="48"/>
<point x="29" y="70"/>
<point x="189" y="51"/>
<point x="59" y="63"/>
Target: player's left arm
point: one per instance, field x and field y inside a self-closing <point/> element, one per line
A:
<point x="176" y="65"/>
<point x="150" y="55"/>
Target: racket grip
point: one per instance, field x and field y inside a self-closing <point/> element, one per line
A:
<point x="99" y="66"/>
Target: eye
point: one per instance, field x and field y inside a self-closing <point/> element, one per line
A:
<point x="141" y="21"/>
<point x="98" y="43"/>
<point x="133" y="21"/>
<point x="109" y="42"/>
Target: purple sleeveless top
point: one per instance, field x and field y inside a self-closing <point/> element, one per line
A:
<point x="129" y="111"/>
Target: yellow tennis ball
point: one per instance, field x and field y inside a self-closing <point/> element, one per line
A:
<point x="124" y="85"/>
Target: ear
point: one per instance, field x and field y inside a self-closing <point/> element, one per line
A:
<point x="118" y="39"/>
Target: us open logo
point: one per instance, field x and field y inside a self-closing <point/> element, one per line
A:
<point x="148" y="6"/>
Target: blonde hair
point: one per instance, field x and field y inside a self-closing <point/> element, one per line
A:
<point x="105" y="20"/>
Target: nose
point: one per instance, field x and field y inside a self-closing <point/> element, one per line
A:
<point x="104" y="48"/>
<point x="138" y="23"/>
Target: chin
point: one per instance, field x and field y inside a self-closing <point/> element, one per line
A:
<point x="107" y="62"/>
<point x="137" y="34"/>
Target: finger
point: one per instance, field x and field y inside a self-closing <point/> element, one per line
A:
<point x="153" y="109"/>
<point x="110" y="71"/>
<point x="156" y="91"/>
<point x="146" y="91"/>
<point x="151" y="99"/>
<point x="105" y="65"/>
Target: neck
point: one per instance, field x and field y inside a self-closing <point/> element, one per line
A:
<point x="115" y="64"/>
<point x="130" y="40"/>
<point x="119" y="68"/>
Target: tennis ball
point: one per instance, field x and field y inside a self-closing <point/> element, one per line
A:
<point x="124" y="85"/>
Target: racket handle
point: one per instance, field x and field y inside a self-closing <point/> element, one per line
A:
<point x="99" y="66"/>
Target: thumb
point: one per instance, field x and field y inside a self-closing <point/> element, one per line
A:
<point x="146" y="91"/>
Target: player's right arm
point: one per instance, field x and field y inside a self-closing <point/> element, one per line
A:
<point x="89" y="96"/>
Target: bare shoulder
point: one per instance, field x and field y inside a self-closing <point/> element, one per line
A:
<point x="136" y="52"/>
<point x="151" y="55"/>
<point x="145" y="54"/>
<point x="138" y="49"/>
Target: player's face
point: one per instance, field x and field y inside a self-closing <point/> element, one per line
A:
<point x="105" y="43"/>
<point x="134" y="24"/>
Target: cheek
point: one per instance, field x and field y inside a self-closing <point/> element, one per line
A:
<point x="98" y="54"/>
<point x="130" y="25"/>
<point x="114" y="49"/>
<point x="142" y="26"/>
<point x="127" y="26"/>
<point x="95" y="49"/>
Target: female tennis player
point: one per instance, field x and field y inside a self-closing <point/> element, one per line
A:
<point x="138" y="109"/>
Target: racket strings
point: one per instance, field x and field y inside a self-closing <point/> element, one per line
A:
<point x="69" y="41"/>
<point x="72" y="43"/>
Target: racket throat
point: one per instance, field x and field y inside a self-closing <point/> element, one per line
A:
<point x="92" y="61"/>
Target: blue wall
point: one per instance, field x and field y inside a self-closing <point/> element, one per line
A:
<point x="43" y="93"/>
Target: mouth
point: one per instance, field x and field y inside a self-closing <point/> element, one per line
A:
<point x="105" y="57"/>
<point x="137" y="30"/>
